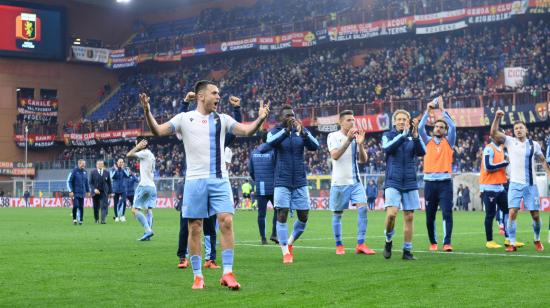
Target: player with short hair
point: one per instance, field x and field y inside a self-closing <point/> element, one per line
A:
<point x="203" y="134"/>
<point x="346" y="147"/>
<point x="492" y="179"/>
<point x="438" y="170"/>
<point x="522" y="152"/>
<point x="288" y="139"/>
<point x="145" y="197"/>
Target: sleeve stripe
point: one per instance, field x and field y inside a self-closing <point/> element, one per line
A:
<point x="69" y="182"/>
<point x="172" y="126"/>
<point x="386" y="144"/>
<point x="312" y="139"/>
<point x="271" y="137"/>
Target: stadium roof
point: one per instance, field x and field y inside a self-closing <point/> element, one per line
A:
<point x="144" y="5"/>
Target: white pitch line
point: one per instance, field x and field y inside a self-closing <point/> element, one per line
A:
<point x="377" y="236"/>
<point x="420" y="251"/>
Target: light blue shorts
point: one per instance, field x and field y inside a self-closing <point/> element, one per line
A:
<point x="340" y="196"/>
<point x="145" y="197"/>
<point x="293" y="199"/>
<point x="406" y="200"/>
<point x="529" y="194"/>
<point x="203" y="198"/>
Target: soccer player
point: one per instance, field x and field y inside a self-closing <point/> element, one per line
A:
<point x="78" y="186"/>
<point x="261" y="166"/>
<point x="209" y="225"/>
<point x="401" y="146"/>
<point x="203" y="134"/>
<point x="492" y="179"/>
<point x="146" y="191"/>
<point x="119" y="174"/>
<point x="522" y="152"/>
<point x="438" y="169"/>
<point x="345" y="145"/>
<point x="290" y="192"/>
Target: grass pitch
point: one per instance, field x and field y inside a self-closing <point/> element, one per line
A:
<point x="46" y="261"/>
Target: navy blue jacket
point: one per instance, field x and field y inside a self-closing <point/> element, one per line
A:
<point x="118" y="179"/>
<point x="130" y="184"/>
<point x="401" y="162"/>
<point x="262" y="168"/>
<point x="77" y="182"/>
<point x="372" y="191"/>
<point x="290" y="167"/>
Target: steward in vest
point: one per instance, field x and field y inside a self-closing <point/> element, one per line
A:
<point x="492" y="178"/>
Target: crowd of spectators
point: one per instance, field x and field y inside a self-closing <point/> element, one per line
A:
<point x="462" y="66"/>
<point x="170" y="158"/>
<point x="269" y="17"/>
<point x="457" y="65"/>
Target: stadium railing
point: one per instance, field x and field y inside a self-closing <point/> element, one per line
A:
<point x="500" y="100"/>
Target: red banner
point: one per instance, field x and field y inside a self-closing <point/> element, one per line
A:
<point x="94" y="138"/>
<point x="373" y="123"/>
<point x="498" y="12"/>
<point x="545" y="204"/>
<point x="167" y="57"/>
<point x="356" y="31"/>
<point x="463" y="117"/>
<point x="35" y="141"/>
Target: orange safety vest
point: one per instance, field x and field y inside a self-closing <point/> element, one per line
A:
<point x="496" y="177"/>
<point x="439" y="157"/>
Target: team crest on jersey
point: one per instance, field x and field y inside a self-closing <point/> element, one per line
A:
<point x="191" y="119"/>
<point x="491" y="199"/>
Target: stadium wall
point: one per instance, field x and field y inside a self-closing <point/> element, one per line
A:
<point x="77" y="86"/>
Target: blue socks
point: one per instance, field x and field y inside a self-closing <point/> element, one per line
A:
<point x="207" y="246"/>
<point x="504" y="220"/>
<point x="143" y="221"/>
<point x="150" y="218"/>
<point x="407" y="246"/>
<point x="196" y="265"/>
<point x="227" y="261"/>
<point x="297" y="230"/>
<point x="389" y="235"/>
<point x="512" y="231"/>
<point x="536" y="229"/>
<point x="282" y="233"/>
<point x="120" y="206"/>
<point x="337" y="228"/>
<point x="362" y="221"/>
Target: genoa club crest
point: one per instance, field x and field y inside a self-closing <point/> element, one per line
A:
<point x="27" y="30"/>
